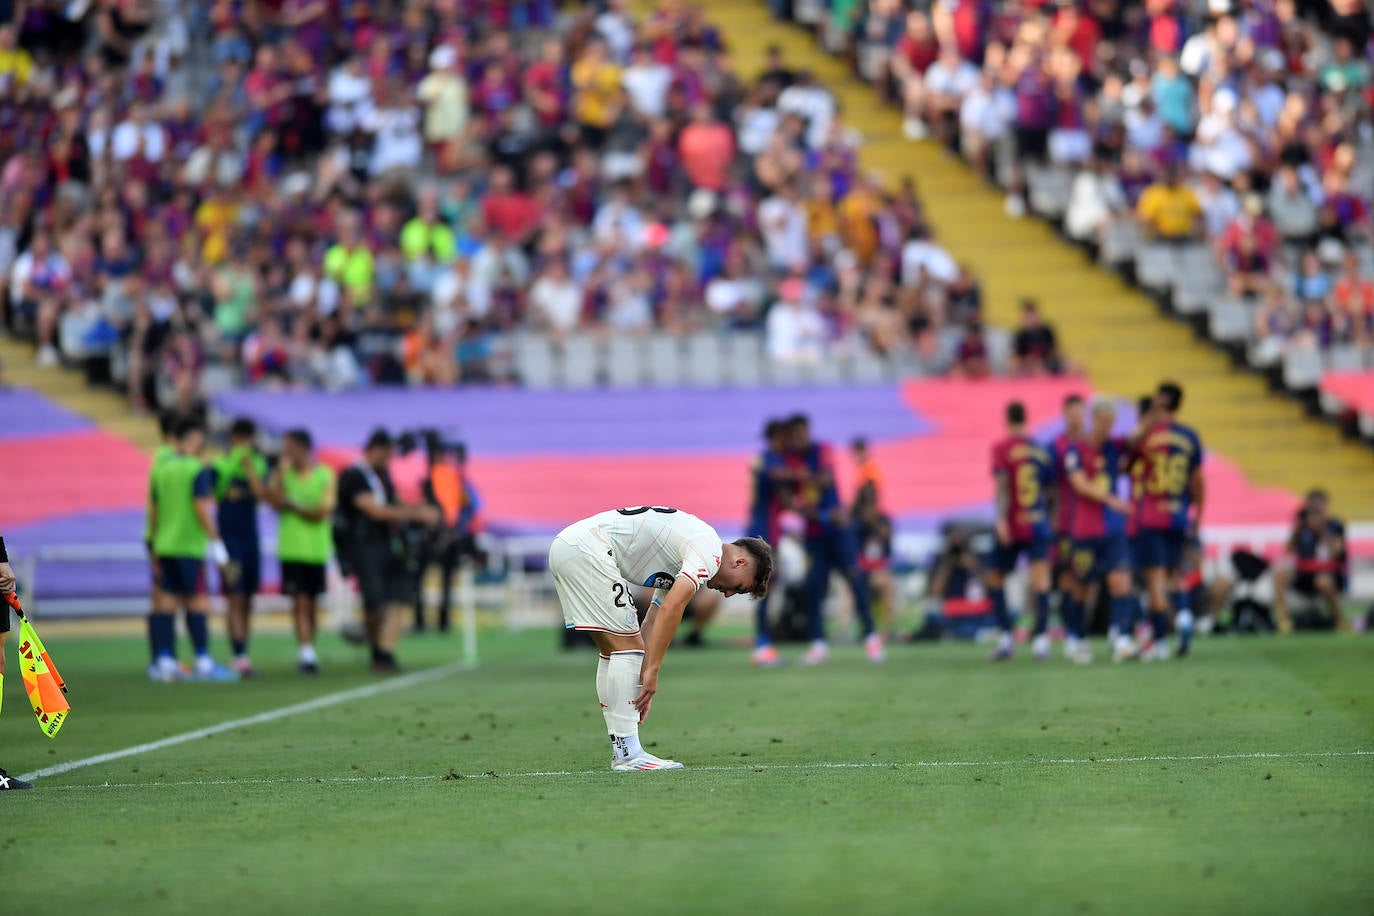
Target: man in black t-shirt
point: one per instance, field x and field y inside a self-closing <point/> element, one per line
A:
<point x="1035" y="348"/>
<point x="370" y="516"/>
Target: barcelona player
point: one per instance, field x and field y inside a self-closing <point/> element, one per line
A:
<point x="1097" y="524"/>
<point x="1024" y="471"/>
<point x="1061" y="551"/>
<point x="765" y="504"/>
<point x="240" y="482"/>
<point x="1170" y="504"/>
<point x="829" y="541"/>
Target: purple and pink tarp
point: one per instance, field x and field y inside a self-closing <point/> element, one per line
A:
<point x="541" y="459"/>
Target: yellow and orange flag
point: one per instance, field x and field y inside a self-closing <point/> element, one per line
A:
<point x="43" y="684"/>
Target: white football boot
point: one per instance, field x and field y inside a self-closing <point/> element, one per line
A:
<point x="644" y="761"/>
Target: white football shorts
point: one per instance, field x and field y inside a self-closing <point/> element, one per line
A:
<point x="590" y="588"/>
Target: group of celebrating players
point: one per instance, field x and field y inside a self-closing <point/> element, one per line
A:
<point x="1092" y="508"/>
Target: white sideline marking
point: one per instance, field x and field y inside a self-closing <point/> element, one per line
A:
<point x="272" y="715"/>
<point x="740" y="768"/>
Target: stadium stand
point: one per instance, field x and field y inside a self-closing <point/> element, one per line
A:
<point x="1079" y="131"/>
<point x="455" y="193"/>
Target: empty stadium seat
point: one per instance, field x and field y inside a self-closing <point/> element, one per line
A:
<point x="743" y="356"/>
<point x="581" y="365"/>
<point x="1302" y="369"/>
<point x="705" y="364"/>
<point x="1121" y="239"/>
<point x="1344" y="358"/>
<point x="624" y="362"/>
<point x="1156" y="267"/>
<point x="534" y="361"/>
<point x="664" y="359"/>
<point x="1229" y="321"/>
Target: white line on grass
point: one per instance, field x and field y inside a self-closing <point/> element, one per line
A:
<point x="738" y="768"/>
<point x="272" y="715"/>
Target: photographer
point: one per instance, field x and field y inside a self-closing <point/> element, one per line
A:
<point x="370" y="520"/>
<point x="1318" y="566"/>
<point x="448" y="488"/>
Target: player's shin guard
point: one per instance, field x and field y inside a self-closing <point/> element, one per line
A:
<point x="622" y="686"/>
<point x="1042" y="612"/>
<point x="198" y="625"/>
<point x="1183" y="621"/>
<point x="1000" y="615"/>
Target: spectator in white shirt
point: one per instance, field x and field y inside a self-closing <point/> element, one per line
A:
<point x="556" y="300"/>
<point x="498" y="263"/>
<point x="925" y="261"/>
<point x="395" y="126"/>
<point x="796" y="330"/>
<point x="947" y="82"/>
<point x="646" y="83"/>
<point x="350" y="96"/>
<point x="137" y="135"/>
<point x="40" y="283"/>
<point x="782" y="222"/>
<point x="618" y="223"/>
<point x="617" y="27"/>
<point x="1095" y="196"/>
<point x="811" y="102"/>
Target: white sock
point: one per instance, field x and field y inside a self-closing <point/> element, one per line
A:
<point x="168" y="663"/>
<point x="603" y="688"/>
<point x="1184" y="621"/>
<point x="1004" y="642"/>
<point x="622" y="719"/>
<point x="204" y="663"/>
<point x="307" y="655"/>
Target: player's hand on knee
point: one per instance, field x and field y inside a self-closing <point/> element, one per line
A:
<point x="6" y="579"/>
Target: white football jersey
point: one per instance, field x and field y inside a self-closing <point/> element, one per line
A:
<point x="652" y="545"/>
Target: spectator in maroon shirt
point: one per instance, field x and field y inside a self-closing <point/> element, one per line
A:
<point x="507" y="210"/>
<point x="971" y="356"/>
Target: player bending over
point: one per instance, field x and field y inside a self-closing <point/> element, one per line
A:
<point x="598" y="562"/>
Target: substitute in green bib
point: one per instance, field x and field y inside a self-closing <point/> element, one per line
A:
<point x="302" y="490"/>
<point x="240" y="482"/>
<point x="184" y="527"/>
<point x="167" y="425"/>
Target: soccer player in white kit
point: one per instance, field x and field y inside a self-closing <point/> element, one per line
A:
<point x="598" y="562"/>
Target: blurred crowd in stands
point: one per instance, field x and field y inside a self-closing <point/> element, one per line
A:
<point x="310" y="193"/>
<point x="1240" y="124"/>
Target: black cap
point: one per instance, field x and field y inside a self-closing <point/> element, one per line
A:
<point x="379" y="438"/>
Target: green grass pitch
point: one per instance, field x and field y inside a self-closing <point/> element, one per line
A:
<point x="957" y="806"/>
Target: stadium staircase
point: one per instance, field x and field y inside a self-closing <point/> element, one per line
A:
<point x="1116" y="333"/>
<point x="68" y="388"/>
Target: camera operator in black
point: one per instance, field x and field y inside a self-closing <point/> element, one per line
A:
<point x="370" y="521"/>
<point x="1320" y="565"/>
<point x="447" y="488"/>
